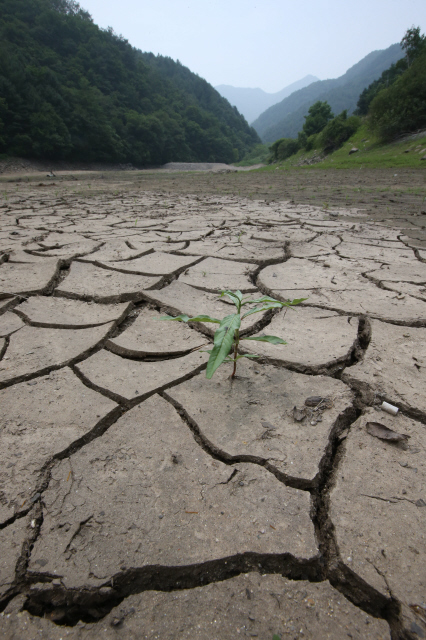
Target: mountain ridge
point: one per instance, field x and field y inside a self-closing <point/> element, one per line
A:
<point x="285" y="119"/>
<point x="70" y="90"/>
<point x="252" y="102"/>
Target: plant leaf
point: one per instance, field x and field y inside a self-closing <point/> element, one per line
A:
<point x="262" y="299"/>
<point x="247" y="355"/>
<point x="270" y="339"/>
<point x="264" y="307"/>
<point x="236" y="296"/>
<point x="223" y="339"/>
<point x="293" y="303"/>
<point x="203" y="318"/>
<point x="181" y="318"/>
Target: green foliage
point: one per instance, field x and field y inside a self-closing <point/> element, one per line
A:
<point x="402" y="107"/>
<point x="338" y="130"/>
<point x="72" y="90"/>
<point x="413" y="43"/>
<point x="318" y="116"/>
<point x="227" y="336"/>
<point x="311" y="142"/>
<point x="284" y="148"/>
<point x="387" y="78"/>
<point x="258" y="155"/>
<point x="373" y="154"/>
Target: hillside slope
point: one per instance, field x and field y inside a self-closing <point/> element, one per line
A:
<point x="252" y="102"/>
<point x="70" y="90"/>
<point x="285" y="120"/>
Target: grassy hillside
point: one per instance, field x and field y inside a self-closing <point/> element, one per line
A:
<point x="372" y="154"/>
<point x="70" y="90"/>
<point x="286" y="119"/>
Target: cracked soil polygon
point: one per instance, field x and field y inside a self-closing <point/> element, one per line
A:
<point x="413" y="271"/>
<point x="150" y="336"/>
<point x="35" y="350"/>
<point x="9" y="323"/>
<point x="129" y="380"/>
<point x="27" y="278"/>
<point x="154" y="264"/>
<point x="378" y="506"/>
<point x="397" y="374"/>
<point x="317" y="340"/>
<point x="147" y="494"/>
<point x="379" y="254"/>
<point x="40" y="419"/>
<point x="43" y="311"/>
<point x="343" y="291"/>
<point x="215" y="275"/>
<point x="89" y="282"/>
<point x="252" y="416"/>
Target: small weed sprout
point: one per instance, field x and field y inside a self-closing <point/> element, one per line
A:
<point x="227" y="337"/>
<point x="239" y="236"/>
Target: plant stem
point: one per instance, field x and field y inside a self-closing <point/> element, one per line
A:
<point x="236" y="342"/>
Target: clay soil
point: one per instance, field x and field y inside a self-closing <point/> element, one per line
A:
<point x="139" y="499"/>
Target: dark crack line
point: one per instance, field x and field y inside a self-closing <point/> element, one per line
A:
<point x="218" y="454"/>
<point x="74" y="327"/>
<point x="79" y="604"/>
<point x="54" y="367"/>
<point x="4" y="348"/>
<point x="341" y="577"/>
<point x="133" y="402"/>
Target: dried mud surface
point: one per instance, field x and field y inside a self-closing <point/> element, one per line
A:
<point x="140" y="500"/>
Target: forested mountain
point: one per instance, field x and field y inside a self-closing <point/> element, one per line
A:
<point x="285" y="120"/>
<point x="71" y="90"/>
<point x="252" y="102"/>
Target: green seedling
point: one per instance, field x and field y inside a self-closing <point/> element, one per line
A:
<point x="227" y="337"/>
<point x="239" y="236"/>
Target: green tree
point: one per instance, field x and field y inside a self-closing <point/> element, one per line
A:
<point x="413" y="43"/>
<point x="318" y="116"/>
<point x="338" y="130"/>
<point x="402" y="107"/>
<point x="284" y="148"/>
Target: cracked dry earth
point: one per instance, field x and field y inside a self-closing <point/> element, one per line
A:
<point x="140" y="500"/>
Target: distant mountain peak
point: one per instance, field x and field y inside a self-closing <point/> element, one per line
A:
<point x="252" y="102"/>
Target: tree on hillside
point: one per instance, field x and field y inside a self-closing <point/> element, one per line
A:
<point x="387" y="78"/>
<point x="402" y="107"/>
<point x="413" y="43"/>
<point x="318" y="116"/>
<point x="338" y="130"/>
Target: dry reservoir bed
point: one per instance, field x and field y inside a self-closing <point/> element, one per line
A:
<point x="139" y="499"/>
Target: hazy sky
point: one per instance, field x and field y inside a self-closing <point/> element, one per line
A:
<point x="260" y="43"/>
